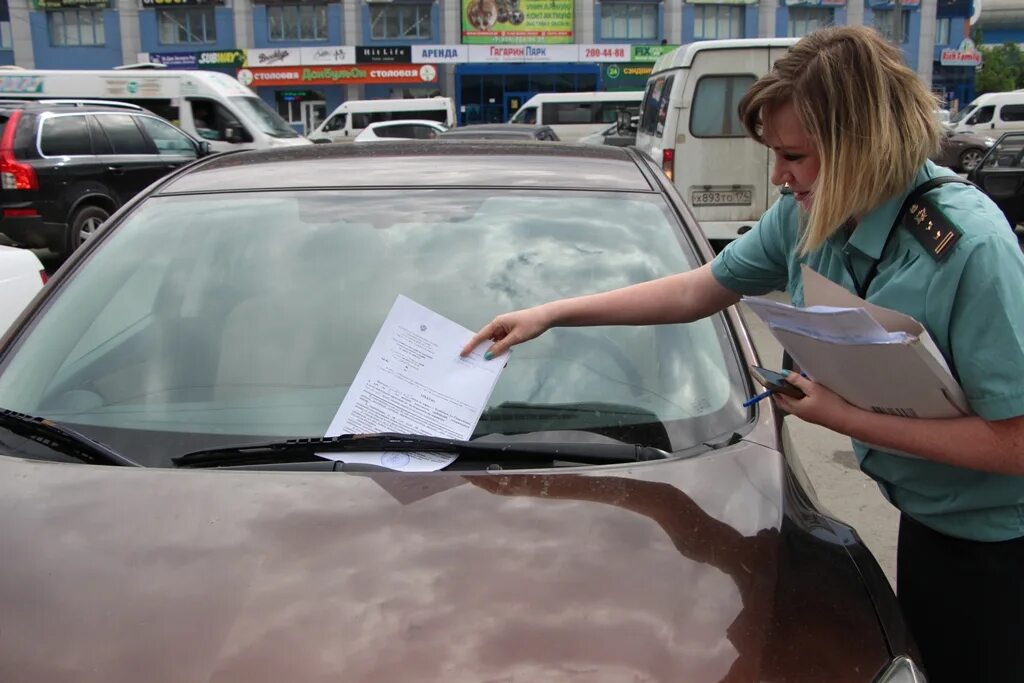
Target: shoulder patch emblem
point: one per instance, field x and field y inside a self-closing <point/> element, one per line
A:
<point x="932" y="229"/>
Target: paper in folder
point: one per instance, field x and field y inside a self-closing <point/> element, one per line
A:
<point x="875" y="358"/>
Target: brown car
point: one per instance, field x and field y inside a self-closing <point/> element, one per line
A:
<point x="962" y="151"/>
<point x="617" y="515"/>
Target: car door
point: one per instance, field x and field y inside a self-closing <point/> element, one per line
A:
<point x="173" y="145"/>
<point x="1001" y="175"/>
<point x="68" y="168"/>
<point x="134" y="162"/>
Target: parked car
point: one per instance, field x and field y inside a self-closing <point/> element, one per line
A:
<point x="352" y="116"/>
<point x="962" y="151"/>
<point x="401" y="129"/>
<point x="21" y="276"/>
<point x="618" y="514"/>
<point x="1001" y="175"/>
<point x="67" y="166"/>
<point x="502" y="131"/>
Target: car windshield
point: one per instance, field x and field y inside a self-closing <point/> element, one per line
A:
<point x="265" y="118"/>
<point x="962" y="114"/>
<point x="226" y="318"/>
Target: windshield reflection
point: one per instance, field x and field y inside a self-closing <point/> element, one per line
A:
<point x="249" y="315"/>
<point x="266" y="119"/>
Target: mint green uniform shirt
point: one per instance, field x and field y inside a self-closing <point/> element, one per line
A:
<point x="971" y="303"/>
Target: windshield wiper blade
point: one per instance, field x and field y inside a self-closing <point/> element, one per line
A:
<point x="305" y="450"/>
<point x="62" y="439"/>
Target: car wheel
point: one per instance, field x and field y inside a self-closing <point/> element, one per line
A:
<point x="86" y="221"/>
<point x="970" y="158"/>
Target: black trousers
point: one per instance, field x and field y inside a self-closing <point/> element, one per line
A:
<point x="964" y="603"/>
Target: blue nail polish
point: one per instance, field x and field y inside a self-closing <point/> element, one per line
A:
<point x="488" y="355"/>
<point x="784" y="372"/>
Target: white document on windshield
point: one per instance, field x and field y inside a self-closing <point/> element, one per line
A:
<point x="413" y="381"/>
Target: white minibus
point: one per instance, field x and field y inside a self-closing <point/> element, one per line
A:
<point x="573" y="115"/>
<point x="993" y="113"/>
<point x="208" y="105"/>
<point x="353" y="116"/>
<point x="690" y="126"/>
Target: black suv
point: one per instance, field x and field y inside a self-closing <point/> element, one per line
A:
<point x="66" y="165"/>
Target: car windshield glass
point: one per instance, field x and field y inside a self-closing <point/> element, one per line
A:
<point x="215" y="319"/>
<point x="265" y="118"/>
<point x="962" y="114"/>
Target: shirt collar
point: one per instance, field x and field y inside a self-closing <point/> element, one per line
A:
<point x="873" y="230"/>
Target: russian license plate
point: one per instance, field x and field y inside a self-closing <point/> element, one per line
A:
<point x="742" y="195"/>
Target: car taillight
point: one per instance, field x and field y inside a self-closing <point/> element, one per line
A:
<point x="14" y="175"/>
<point x="668" y="162"/>
<point x="43" y="276"/>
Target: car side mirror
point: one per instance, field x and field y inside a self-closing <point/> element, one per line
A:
<point x="203" y="148"/>
<point x="623" y="119"/>
<point x="236" y="135"/>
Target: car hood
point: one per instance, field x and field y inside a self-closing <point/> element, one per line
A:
<point x="290" y="142"/>
<point x="672" y="571"/>
<point x="969" y="139"/>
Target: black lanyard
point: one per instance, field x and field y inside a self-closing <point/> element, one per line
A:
<point x="915" y="194"/>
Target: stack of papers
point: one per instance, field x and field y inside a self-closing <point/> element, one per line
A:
<point x="875" y="358"/>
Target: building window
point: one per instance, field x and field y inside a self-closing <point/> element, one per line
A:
<point x="186" y="25"/>
<point x="400" y="20"/>
<point x="942" y="31"/>
<point x="5" y="35"/>
<point x="72" y="27"/>
<point x="297" y="22"/>
<point x="717" y="21"/>
<point x="629" y="20"/>
<point x="803" y="20"/>
<point x="883" y="20"/>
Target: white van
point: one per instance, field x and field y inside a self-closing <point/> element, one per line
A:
<point x="353" y="116"/>
<point x="208" y="105"/>
<point x="573" y="115"/>
<point x="993" y="113"/>
<point x="690" y="126"/>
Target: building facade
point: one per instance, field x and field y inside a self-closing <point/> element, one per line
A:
<point x="1000" y="21"/>
<point x="306" y="57"/>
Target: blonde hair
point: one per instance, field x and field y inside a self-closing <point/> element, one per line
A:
<point x="871" y="119"/>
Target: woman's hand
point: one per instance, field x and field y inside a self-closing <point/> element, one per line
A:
<point x="819" y="405"/>
<point x="509" y="329"/>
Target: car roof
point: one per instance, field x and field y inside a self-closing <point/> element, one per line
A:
<point x="594" y="96"/>
<point x="405" y="122"/>
<point x="489" y="134"/>
<point x="69" y="106"/>
<point x="523" y="127"/>
<point x="683" y="56"/>
<point x="419" y="163"/>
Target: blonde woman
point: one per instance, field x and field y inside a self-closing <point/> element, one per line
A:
<point x="851" y="129"/>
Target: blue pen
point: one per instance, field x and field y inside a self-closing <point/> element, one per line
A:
<point x="758" y="372"/>
<point x="754" y="399"/>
